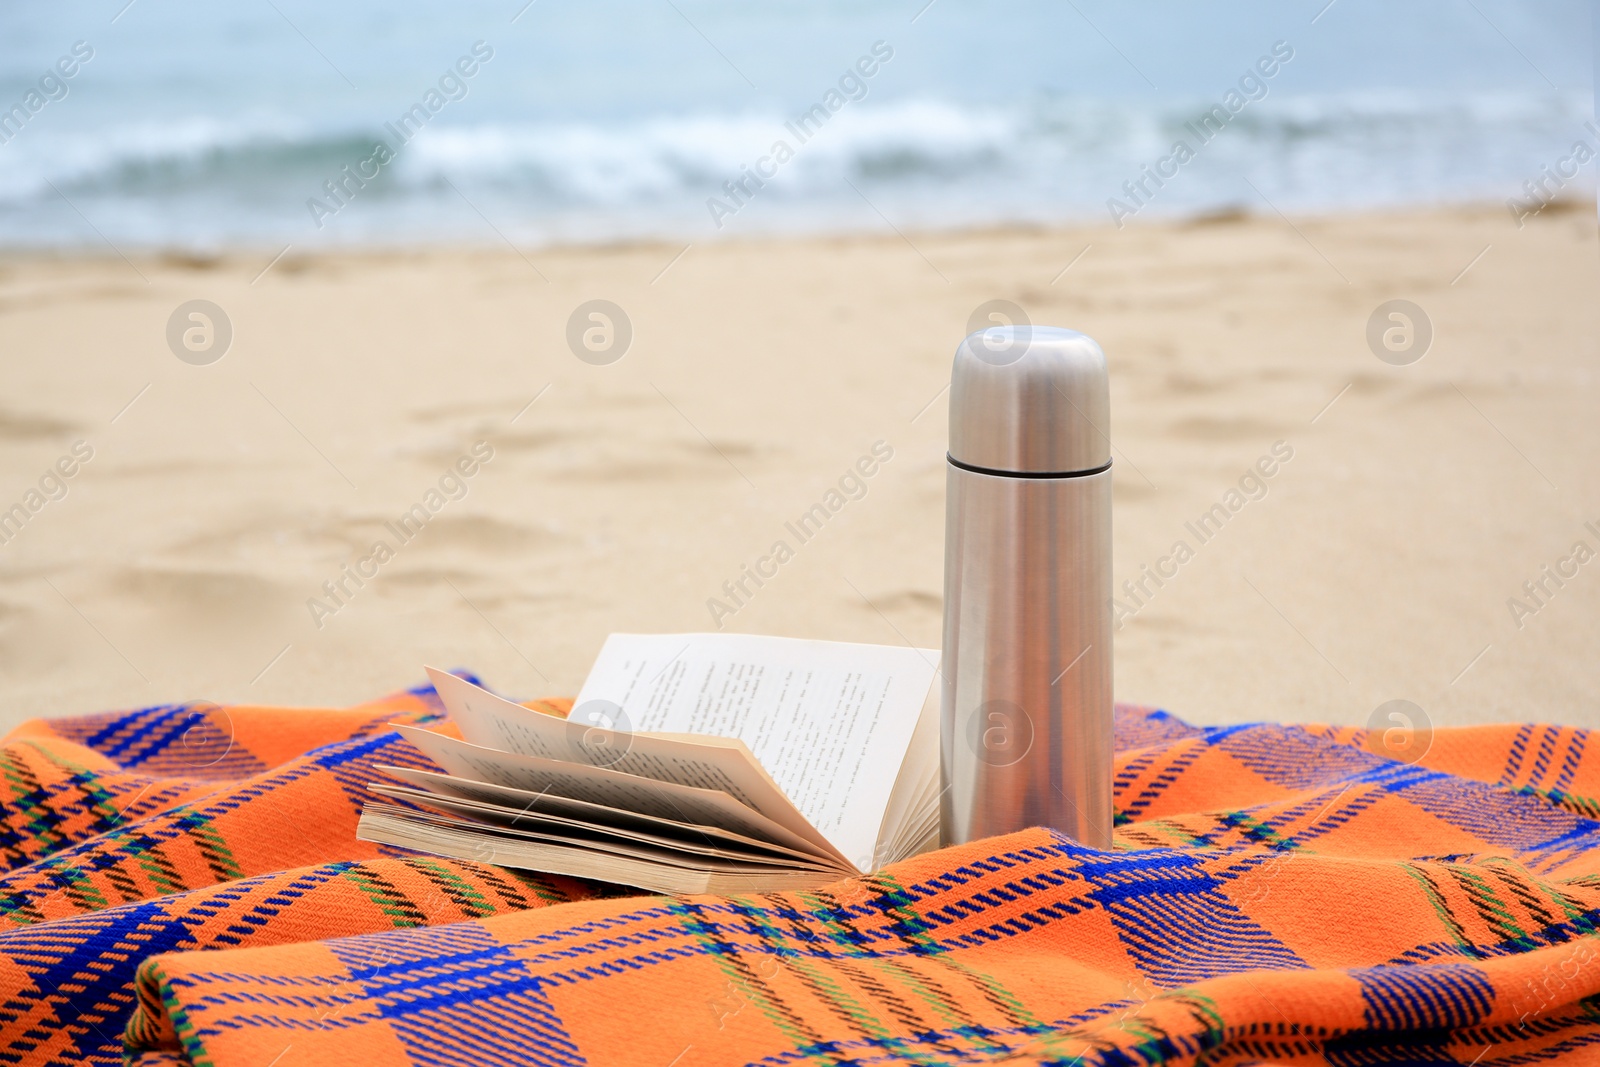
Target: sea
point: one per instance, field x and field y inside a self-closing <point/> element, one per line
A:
<point x="207" y="126"/>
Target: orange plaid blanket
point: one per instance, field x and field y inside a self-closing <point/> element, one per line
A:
<point x="183" y="885"/>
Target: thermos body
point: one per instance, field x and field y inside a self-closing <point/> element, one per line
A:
<point x="1029" y="743"/>
<point x="1026" y="701"/>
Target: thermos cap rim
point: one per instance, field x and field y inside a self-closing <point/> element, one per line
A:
<point x="1027" y="474"/>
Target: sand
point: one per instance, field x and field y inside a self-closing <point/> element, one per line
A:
<point x="183" y="560"/>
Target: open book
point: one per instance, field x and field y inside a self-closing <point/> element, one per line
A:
<point x="691" y="763"/>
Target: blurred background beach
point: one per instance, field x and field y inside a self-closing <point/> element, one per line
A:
<point x="378" y="329"/>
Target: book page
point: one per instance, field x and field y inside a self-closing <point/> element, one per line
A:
<point x="830" y="722"/>
<point x="915" y="794"/>
<point x="464" y="843"/>
<point x="515" y="801"/>
<point x="614" y="789"/>
<point x="722" y="764"/>
<point x="559" y="828"/>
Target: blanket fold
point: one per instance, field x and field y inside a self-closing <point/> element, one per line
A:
<point x="182" y="885"/>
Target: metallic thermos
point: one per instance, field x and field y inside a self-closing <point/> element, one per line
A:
<point x="1025" y="712"/>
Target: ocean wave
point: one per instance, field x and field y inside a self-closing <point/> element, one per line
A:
<point x="924" y="162"/>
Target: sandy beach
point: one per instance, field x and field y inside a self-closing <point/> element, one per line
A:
<point x="211" y="509"/>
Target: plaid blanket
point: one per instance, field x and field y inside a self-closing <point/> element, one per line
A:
<point x="183" y="885"/>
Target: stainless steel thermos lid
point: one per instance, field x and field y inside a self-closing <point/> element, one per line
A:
<point x="1031" y="400"/>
